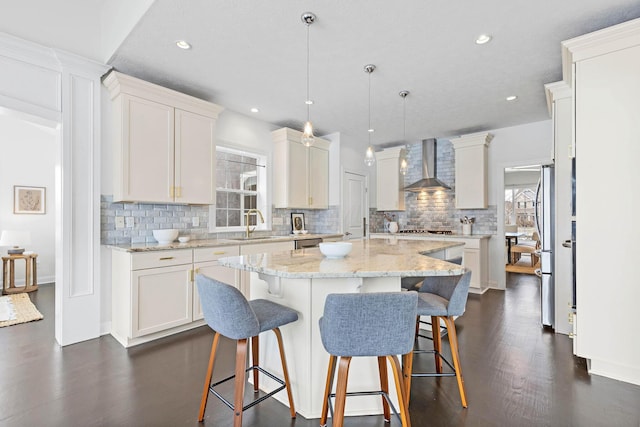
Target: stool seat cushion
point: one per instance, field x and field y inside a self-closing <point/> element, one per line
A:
<point x="431" y="305"/>
<point x="271" y="315"/>
<point x="523" y="249"/>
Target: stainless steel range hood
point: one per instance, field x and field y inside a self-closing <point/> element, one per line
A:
<point x="429" y="182"/>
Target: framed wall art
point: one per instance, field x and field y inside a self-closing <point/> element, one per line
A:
<point x="297" y="222"/>
<point x="29" y="200"/>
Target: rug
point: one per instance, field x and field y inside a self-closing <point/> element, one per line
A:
<point x="522" y="266"/>
<point x="17" y="308"/>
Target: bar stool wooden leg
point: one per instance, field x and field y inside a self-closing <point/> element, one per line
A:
<point x="285" y="372"/>
<point x="331" y="372"/>
<point x="453" y="342"/>
<point x="437" y="342"/>
<point x="255" y="362"/>
<point x="407" y="369"/>
<point x="384" y="386"/>
<point x="403" y="401"/>
<point x="341" y="390"/>
<point x="238" y="395"/>
<point x="207" y="381"/>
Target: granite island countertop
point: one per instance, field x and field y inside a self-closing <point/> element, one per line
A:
<point x="207" y="243"/>
<point x="368" y="258"/>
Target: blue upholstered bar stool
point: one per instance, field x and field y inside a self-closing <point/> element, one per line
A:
<point x="229" y="314"/>
<point x="370" y="324"/>
<point x="442" y="297"/>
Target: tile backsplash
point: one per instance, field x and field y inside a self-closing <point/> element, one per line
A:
<point x="142" y="218"/>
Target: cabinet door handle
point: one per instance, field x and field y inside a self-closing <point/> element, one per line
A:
<point x="178" y="191"/>
<point x="191" y="275"/>
<point x="219" y="252"/>
<point x="171" y="191"/>
<point x="165" y="258"/>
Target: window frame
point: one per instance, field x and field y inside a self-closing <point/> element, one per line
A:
<point x="263" y="201"/>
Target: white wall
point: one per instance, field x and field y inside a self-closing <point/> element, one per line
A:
<point x="522" y="145"/>
<point x="28" y="159"/>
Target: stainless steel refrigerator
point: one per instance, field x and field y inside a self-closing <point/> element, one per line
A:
<point x="546" y="229"/>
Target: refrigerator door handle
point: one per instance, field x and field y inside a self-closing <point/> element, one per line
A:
<point x="535" y="211"/>
<point x="567" y="244"/>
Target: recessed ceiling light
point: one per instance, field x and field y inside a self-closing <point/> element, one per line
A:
<point x="255" y="110"/>
<point x="511" y="98"/>
<point x="483" y="38"/>
<point x="309" y="102"/>
<point x="371" y="130"/>
<point x="182" y="44"/>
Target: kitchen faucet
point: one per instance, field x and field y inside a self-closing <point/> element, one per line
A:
<point x="249" y="231"/>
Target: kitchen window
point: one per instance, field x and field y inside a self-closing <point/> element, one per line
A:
<point x="240" y="185"/>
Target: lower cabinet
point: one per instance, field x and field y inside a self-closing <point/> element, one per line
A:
<point x="160" y="299"/>
<point x="154" y="293"/>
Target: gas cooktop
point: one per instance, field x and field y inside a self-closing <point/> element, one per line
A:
<point x="423" y="231"/>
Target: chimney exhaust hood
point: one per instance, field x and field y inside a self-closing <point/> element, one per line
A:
<point x="429" y="182"/>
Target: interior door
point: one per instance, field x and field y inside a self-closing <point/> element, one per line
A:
<point x="355" y="215"/>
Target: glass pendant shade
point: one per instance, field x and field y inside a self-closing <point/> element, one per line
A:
<point x="369" y="156"/>
<point x="307" y="135"/>
<point x="404" y="167"/>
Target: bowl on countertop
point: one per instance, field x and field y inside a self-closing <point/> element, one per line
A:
<point x="184" y="239"/>
<point x="335" y="250"/>
<point x="297" y="231"/>
<point x="165" y="236"/>
<point x="304" y="231"/>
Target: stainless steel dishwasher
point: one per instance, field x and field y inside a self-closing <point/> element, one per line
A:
<point x="308" y="243"/>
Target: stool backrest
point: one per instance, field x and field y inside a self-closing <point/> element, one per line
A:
<point x="369" y="324"/>
<point x="455" y="289"/>
<point x="226" y="310"/>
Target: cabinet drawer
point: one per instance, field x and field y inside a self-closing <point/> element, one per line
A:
<point x="154" y="259"/>
<point x="212" y="254"/>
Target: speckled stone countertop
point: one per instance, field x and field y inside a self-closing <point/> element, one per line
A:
<point x="368" y="258"/>
<point x="416" y="236"/>
<point x="206" y="243"/>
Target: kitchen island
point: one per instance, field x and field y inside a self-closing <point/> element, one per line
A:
<point x="301" y="279"/>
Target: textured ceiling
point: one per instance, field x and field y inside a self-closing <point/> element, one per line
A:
<point x="253" y="54"/>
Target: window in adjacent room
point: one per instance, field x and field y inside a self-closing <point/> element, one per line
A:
<point x="240" y="186"/>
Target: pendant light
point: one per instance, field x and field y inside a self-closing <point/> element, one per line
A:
<point x="308" y="18"/>
<point x="369" y="157"/>
<point x="404" y="166"/>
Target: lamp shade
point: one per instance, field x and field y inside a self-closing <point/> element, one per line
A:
<point x="16" y="240"/>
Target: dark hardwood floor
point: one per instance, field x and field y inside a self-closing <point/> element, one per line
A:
<point x="516" y="373"/>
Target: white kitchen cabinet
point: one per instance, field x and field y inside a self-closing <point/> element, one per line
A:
<point x="164" y="146"/>
<point x="152" y="294"/>
<point x="205" y="262"/>
<point x="300" y="174"/>
<point x="471" y="165"/>
<point x="389" y="180"/>
<point x="603" y="68"/>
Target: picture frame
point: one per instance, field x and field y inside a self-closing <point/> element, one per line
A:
<point x="29" y="200"/>
<point x="297" y="222"/>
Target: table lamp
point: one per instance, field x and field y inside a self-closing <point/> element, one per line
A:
<point x="15" y="239"/>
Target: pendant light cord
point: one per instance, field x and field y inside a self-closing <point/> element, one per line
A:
<point x="369" y="130"/>
<point x="307" y="101"/>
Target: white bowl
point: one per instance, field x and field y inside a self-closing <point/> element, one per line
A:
<point x="304" y="231"/>
<point x="184" y="239"/>
<point x="296" y="231"/>
<point x="335" y="250"/>
<point x="165" y="236"/>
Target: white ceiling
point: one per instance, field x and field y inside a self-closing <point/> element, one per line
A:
<point x="253" y="54"/>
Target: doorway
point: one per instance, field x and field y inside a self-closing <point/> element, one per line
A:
<point x="521" y="236"/>
<point x="355" y="214"/>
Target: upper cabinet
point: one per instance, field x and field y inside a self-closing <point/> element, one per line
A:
<point x="300" y="174"/>
<point x="164" y="143"/>
<point x="471" y="170"/>
<point x="389" y="180"/>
